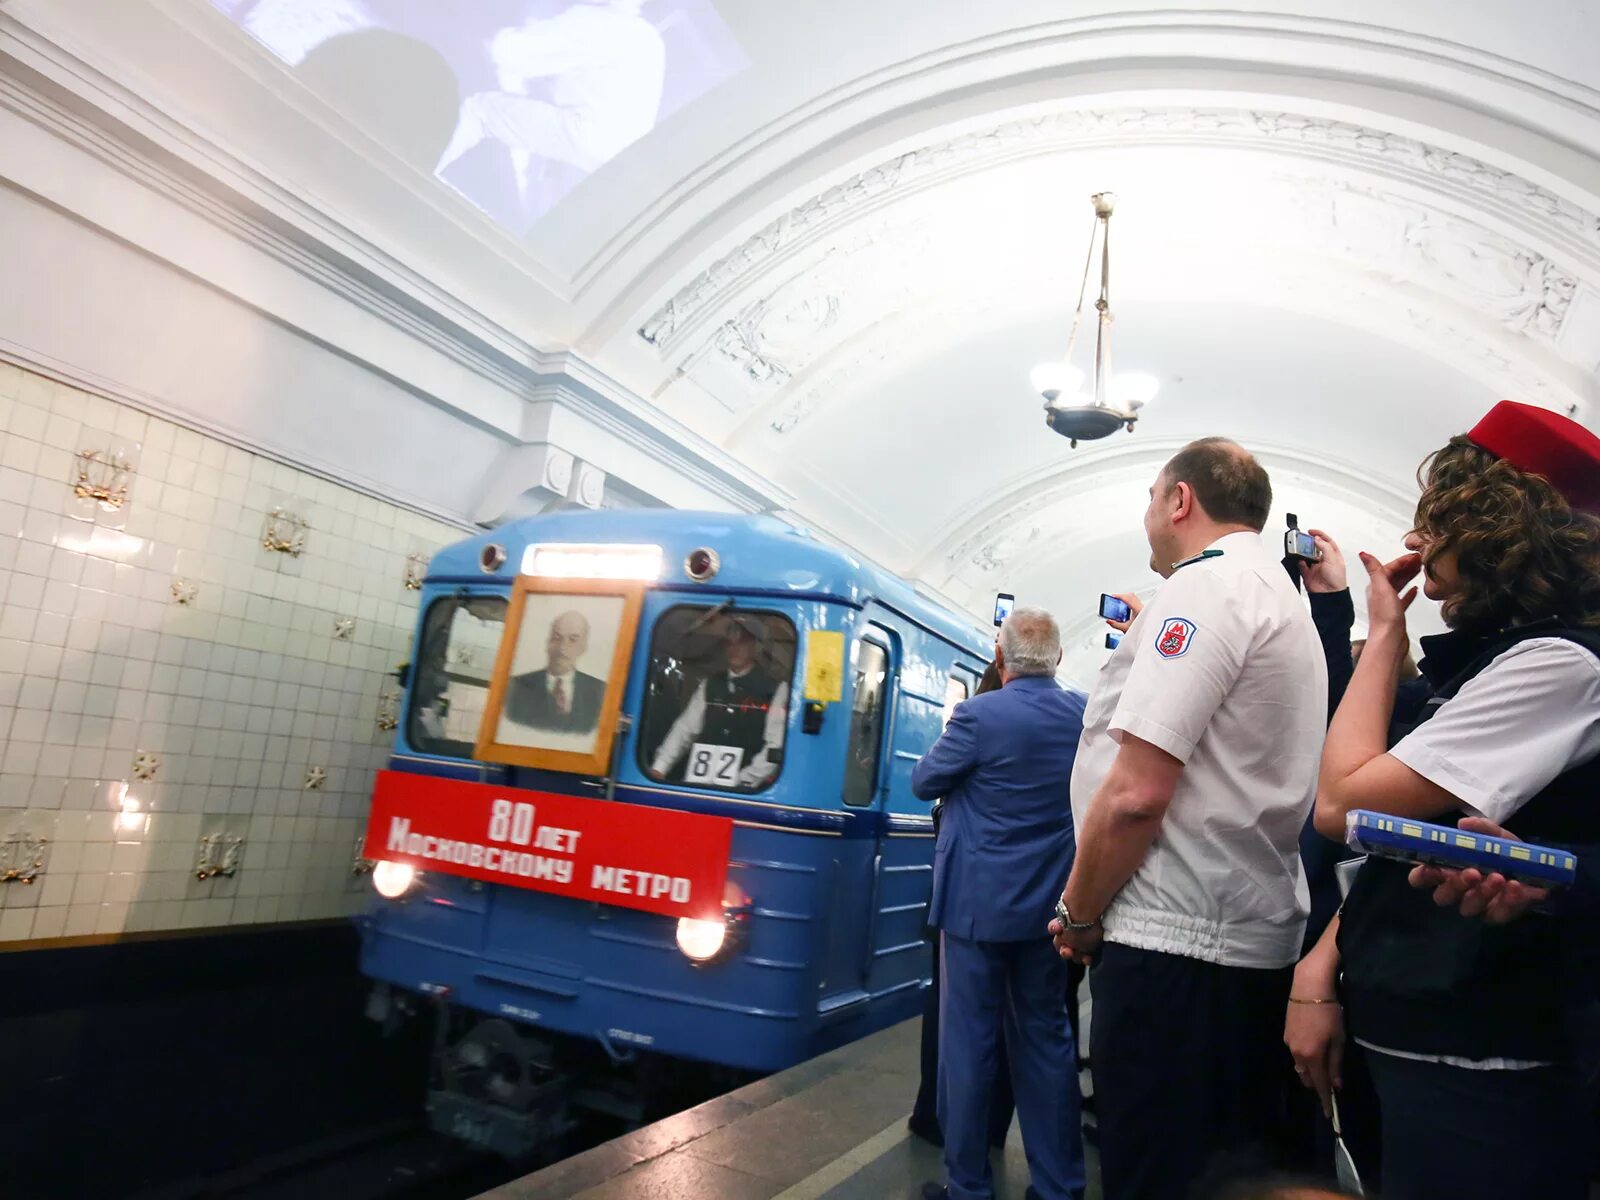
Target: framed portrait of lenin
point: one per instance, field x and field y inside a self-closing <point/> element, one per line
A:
<point x="559" y="674"/>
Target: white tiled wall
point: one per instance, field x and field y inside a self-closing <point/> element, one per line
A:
<point x="237" y="694"/>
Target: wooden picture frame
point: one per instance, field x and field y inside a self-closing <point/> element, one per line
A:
<point x="524" y="721"/>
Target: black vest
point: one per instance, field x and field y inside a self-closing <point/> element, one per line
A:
<point x="736" y="712"/>
<point x="1427" y="980"/>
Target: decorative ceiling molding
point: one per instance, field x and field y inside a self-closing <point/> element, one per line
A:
<point x="1486" y="83"/>
<point x="1403" y="158"/>
<point x="882" y="291"/>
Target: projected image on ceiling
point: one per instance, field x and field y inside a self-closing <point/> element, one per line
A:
<point x="510" y="102"/>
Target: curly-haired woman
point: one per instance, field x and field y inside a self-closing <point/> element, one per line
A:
<point x="1471" y="1052"/>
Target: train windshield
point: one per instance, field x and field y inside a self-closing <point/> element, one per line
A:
<point x="717" y="697"/>
<point x="451" y="680"/>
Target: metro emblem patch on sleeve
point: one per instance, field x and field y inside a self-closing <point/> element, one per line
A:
<point x="1177" y="633"/>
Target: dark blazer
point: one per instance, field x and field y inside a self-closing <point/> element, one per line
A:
<point x="528" y="702"/>
<point x="1004" y="768"/>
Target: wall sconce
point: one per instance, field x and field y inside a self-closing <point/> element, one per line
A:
<point x="102" y="477"/>
<point x="343" y="627"/>
<point x="21" y="859"/>
<point x="145" y="765"/>
<point x="184" y="592"/>
<point x="284" y="533"/>
<point x="388" y="711"/>
<point x="315" y="778"/>
<point x="220" y="854"/>
<point x="416" y="571"/>
<point x="360" y="864"/>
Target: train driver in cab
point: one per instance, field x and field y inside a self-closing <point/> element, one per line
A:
<point x="730" y="734"/>
<point x="559" y="697"/>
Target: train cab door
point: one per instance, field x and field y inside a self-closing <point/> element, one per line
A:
<point x="849" y="928"/>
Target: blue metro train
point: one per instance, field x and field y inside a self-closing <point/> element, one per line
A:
<point x="776" y="694"/>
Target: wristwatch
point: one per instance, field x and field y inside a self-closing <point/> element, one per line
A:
<point x="1068" y="923"/>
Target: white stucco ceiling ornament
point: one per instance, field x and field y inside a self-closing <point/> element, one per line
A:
<point x="1375" y="150"/>
<point x="1521" y="290"/>
<point x="1430" y="248"/>
<point x="826" y="300"/>
<point x="1355" y="256"/>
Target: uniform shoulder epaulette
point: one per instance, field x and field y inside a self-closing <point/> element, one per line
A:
<point x="1201" y="557"/>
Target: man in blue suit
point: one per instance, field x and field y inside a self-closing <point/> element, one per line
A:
<point x="1003" y="766"/>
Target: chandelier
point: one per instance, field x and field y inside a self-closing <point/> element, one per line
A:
<point x="1114" y="400"/>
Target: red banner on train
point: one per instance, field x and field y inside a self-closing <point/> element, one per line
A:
<point x="629" y="855"/>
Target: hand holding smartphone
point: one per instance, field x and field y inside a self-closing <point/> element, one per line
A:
<point x="1300" y="545"/>
<point x="1113" y="608"/>
<point x="1119" y="611"/>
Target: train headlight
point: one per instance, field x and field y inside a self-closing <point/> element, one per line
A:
<point x="393" y="879"/>
<point x="707" y="941"/>
<point x="701" y="941"/>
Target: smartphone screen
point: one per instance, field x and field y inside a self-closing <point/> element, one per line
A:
<point x="1303" y="545"/>
<point x="1113" y="609"/>
<point x="1004" y="602"/>
<point x="1113" y="640"/>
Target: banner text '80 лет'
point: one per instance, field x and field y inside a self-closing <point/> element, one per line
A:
<point x="629" y="855"/>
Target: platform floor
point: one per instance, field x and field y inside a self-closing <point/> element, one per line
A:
<point x="833" y="1128"/>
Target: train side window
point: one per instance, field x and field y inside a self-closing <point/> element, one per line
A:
<point x="450" y="682"/>
<point x="717" y="697"/>
<point x="869" y="697"/>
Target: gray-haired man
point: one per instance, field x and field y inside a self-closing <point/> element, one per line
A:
<point x="1003" y="766"/>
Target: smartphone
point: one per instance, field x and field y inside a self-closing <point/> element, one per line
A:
<point x="1301" y="545"/>
<point x="1421" y="842"/>
<point x="1113" y="609"/>
<point x="1004" y="602"/>
<point x="1113" y="640"/>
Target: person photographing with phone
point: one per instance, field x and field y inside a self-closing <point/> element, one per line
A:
<point x="1464" y="1020"/>
<point x="1194" y="776"/>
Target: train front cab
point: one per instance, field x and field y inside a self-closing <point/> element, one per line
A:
<point x="830" y="864"/>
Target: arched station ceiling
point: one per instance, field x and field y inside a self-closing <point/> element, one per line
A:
<point x="1343" y="229"/>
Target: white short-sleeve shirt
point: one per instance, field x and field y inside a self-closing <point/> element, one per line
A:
<point x="1531" y="714"/>
<point x="1222" y="670"/>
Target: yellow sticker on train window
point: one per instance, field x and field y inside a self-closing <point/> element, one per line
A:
<point x="824" y="665"/>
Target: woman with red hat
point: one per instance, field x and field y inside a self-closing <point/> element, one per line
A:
<point x="1467" y="1021"/>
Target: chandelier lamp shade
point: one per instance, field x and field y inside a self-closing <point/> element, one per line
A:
<point x="1111" y="402"/>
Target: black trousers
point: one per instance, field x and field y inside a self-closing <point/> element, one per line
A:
<point x="1448" y="1131"/>
<point x="1188" y="1059"/>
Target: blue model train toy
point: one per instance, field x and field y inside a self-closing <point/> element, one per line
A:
<point x="1441" y="845"/>
<point x="650" y="800"/>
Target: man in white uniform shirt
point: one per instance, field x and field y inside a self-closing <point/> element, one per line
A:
<point x="1197" y="769"/>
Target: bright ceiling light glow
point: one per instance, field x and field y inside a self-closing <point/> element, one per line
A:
<point x="1134" y="389"/>
<point x="570" y="561"/>
<point x="701" y="941"/>
<point x="1051" y="379"/>
<point x="393" y="879"/>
